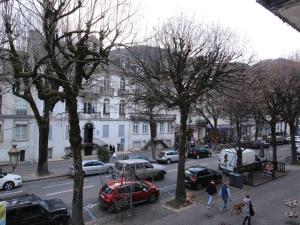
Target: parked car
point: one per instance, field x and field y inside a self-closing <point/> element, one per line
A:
<point x="200" y="176"/>
<point x="138" y="156"/>
<point x="167" y="156"/>
<point x="142" y="169"/>
<point x="111" y="192"/>
<point x="28" y="209"/>
<point x="9" y="181"/>
<point x="199" y="152"/>
<point x="93" y="167"/>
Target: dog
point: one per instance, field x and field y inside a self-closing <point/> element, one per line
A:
<point x="189" y="198"/>
<point x="238" y="208"/>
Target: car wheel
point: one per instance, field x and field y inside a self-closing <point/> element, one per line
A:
<point x="8" y="185"/>
<point x="58" y="222"/>
<point x="152" y="198"/>
<point x="83" y="173"/>
<point x="109" y="170"/>
<point x="168" y="161"/>
<point x="198" y="157"/>
<point x="160" y="176"/>
<point x="114" y="209"/>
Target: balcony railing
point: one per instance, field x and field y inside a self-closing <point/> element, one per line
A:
<point x="123" y="92"/>
<point x="104" y="91"/>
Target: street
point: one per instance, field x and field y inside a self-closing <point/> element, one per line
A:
<point x="62" y="188"/>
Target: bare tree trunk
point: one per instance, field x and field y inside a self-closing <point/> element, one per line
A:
<point x="180" y="188"/>
<point x="42" y="168"/>
<point x="257" y="127"/>
<point x="239" y="161"/>
<point x="75" y="140"/>
<point x="273" y="140"/>
<point x="293" y="143"/>
<point x="153" y="136"/>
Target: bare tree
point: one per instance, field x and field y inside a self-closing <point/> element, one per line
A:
<point x="186" y="61"/>
<point x="77" y="38"/>
<point x="23" y="66"/>
<point x="289" y="94"/>
<point x="237" y="107"/>
<point x="267" y="80"/>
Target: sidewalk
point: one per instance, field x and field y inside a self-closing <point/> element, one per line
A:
<point x="57" y="167"/>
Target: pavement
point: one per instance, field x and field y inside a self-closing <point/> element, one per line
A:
<point x="268" y="199"/>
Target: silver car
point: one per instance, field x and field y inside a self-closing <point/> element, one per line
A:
<point x="168" y="156"/>
<point x="93" y="167"/>
<point x="141" y="169"/>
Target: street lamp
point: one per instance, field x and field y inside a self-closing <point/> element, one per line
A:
<point x="14" y="155"/>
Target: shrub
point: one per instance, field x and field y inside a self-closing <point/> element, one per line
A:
<point x="103" y="154"/>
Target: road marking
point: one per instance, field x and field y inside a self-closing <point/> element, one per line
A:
<point x="170" y="171"/>
<point x="169" y="193"/>
<point x="57" y="185"/>
<point x="14" y="192"/>
<point x="90" y="214"/>
<point x="61" y="192"/>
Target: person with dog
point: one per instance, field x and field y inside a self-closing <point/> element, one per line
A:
<point x="211" y="189"/>
<point x="249" y="212"/>
<point x="225" y="195"/>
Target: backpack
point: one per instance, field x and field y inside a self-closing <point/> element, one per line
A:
<point x="224" y="192"/>
<point x="251" y="209"/>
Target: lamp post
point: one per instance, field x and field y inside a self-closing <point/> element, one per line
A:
<point x="14" y="155"/>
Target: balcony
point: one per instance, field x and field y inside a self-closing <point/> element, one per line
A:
<point x="106" y="115"/>
<point x="107" y="91"/>
<point x="123" y="92"/>
<point x="95" y="115"/>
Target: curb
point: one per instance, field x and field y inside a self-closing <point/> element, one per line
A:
<point x="44" y="178"/>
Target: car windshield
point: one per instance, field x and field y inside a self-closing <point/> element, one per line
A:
<point x="189" y="173"/>
<point x="106" y="189"/>
<point x="161" y="154"/>
<point x="44" y="204"/>
<point x="2" y="175"/>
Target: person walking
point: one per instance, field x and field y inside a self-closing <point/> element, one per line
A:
<point x="249" y="212"/>
<point x="225" y="195"/>
<point x="211" y="190"/>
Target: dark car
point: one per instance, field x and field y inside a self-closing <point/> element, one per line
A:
<point x="112" y="192"/>
<point x="199" y="176"/>
<point x="199" y="152"/>
<point x="28" y="209"/>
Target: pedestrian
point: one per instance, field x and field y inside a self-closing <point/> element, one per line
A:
<point x="110" y="149"/>
<point x="249" y="212"/>
<point x="211" y="189"/>
<point x="225" y="195"/>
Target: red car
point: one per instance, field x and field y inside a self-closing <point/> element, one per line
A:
<point x="111" y="193"/>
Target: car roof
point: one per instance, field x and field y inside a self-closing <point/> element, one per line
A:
<point x="120" y="182"/>
<point x="170" y="150"/>
<point x="132" y="161"/>
<point x="92" y="160"/>
<point x="20" y="199"/>
<point x="196" y="168"/>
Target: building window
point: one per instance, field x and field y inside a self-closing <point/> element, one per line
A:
<point x="50" y="132"/>
<point x="121" y="131"/>
<point x="21" y="132"/>
<point x="105" y="130"/>
<point x="1" y="133"/>
<point x="136" y="144"/>
<point x="88" y="108"/>
<point x="49" y="153"/>
<point x="170" y="127"/>
<point x="161" y="128"/>
<point x="106" y="82"/>
<point x="122" y="107"/>
<point x="67" y="135"/>
<point x="21" y="107"/>
<point x="106" y="106"/>
<point x="122" y="83"/>
<point x="145" y="128"/>
<point x="135" y="128"/>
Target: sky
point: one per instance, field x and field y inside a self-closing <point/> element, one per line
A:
<point x="266" y="35"/>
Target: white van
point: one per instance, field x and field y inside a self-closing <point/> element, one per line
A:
<point x="247" y="158"/>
